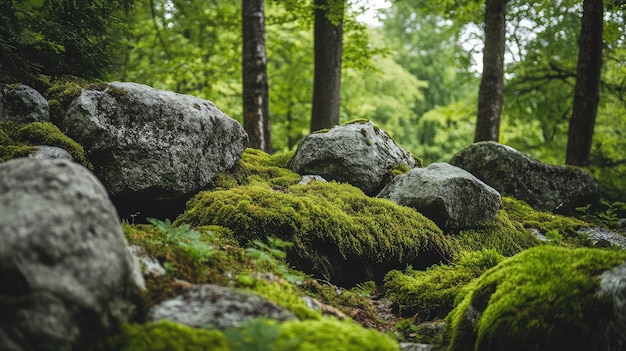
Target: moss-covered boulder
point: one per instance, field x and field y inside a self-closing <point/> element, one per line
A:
<point x="338" y="232"/>
<point x="545" y="298"/>
<point x="545" y="187"/>
<point x="22" y="104"/>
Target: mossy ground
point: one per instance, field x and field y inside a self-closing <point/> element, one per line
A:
<point x="261" y="198"/>
<point x="541" y="299"/>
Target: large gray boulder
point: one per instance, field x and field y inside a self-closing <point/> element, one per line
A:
<point x="450" y="196"/>
<point x="544" y="187"/>
<point x="152" y="149"/>
<point x="23" y="104"/>
<point x="359" y="153"/>
<point x="212" y="306"/>
<point x="66" y="275"/>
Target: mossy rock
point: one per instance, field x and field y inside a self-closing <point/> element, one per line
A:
<point x="545" y="222"/>
<point x="545" y="298"/>
<point x="502" y="234"/>
<point x="338" y="232"/>
<point x="18" y="140"/>
<point x="427" y="295"/>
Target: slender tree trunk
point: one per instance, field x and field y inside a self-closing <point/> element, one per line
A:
<point x="492" y="82"/>
<point x="587" y="90"/>
<point x="328" y="31"/>
<point x="256" y="116"/>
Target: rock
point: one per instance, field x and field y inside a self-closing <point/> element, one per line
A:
<point x="599" y="235"/>
<point x="306" y="179"/>
<point x="153" y="149"/>
<point x="447" y="195"/>
<point x="44" y="151"/>
<point x="410" y="346"/>
<point x="150" y="267"/>
<point x="23" y="104"/>
<point x="545" y="298"/>
<point x="66" y="276"/>
<point x="545" y="187"/>
<point x="212" y="306"/>
<point x="359" y="154"/>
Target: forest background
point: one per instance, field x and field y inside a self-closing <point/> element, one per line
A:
<point x="415" y="72"/>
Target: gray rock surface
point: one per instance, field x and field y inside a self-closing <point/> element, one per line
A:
<point x="212" y="306"/>
<point x="448" y="195"/>
<point x="613" y="286"/>
<point x="152" y="149"/>
<point x="44" y="151"/>
<point x="544" y="187"/>
<point x="599" y="235"/>
<point x="23" y="104"/>
<point x="359" y="154"/>
<point x="66" y="276"/>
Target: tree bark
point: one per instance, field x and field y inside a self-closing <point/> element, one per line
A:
<point x="328" y="45"/>
<point x="256" y="117"/>
<point x="492" y="82"/>
<point x="587" y="90"/>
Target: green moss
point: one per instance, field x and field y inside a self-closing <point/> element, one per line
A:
<point x="285" y="295"/>
<point x="44" y="133"/>
<point x="502" y="234"/>
<point x="332" y="334"/>
<point x="430" y="294"/>
<point x="18" y="140"/>
<point x="401" y="168"/>
<point x="164" y="335"/>
<point x="266" y="169"/>
<point x="61" y="94"/>
<point x="357" y="121"/>
<point x="337" y="231"/>
<point x="541" y="299"/>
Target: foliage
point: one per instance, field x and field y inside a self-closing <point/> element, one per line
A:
<point x="56" y="37"/>
<point x="185" y="238"/>
<point x="18" y="140"/>
<point x="543" y="298"/>
<point x="272" y="255"/>
<point x="430" y="294"/>
<point x="259" y="335"/>
<point x="609" y="216"/>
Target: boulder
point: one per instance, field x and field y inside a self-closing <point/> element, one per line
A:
<point x="449" y="196"/>
<point x="152" y="149"/>
<point x="213" y="306"/>
<point x="545" y="298"/>
<point x="23" y="104"/>
<point x="357" y="153"/>
<point x="66" y="275"/>
<point x="45" y="151"/>
<point x="545" y="187"/>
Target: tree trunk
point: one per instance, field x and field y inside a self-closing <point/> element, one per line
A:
<point x="328" y="31"/>
<point x="587" y="90"/>
<point x="256" y="117"/>
<point x="492" y="82"/>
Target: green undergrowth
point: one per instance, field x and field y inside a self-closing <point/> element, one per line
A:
<point x="429" y="294"/>
<point x="61" y="93"/>
<point x="339" y="233"/>
<point x="502" y="234"/>
<point x="545" y="222"/>
<point x="541" y="299"/>
<point x="259" y="334"/>
<point x="18" y="140"/>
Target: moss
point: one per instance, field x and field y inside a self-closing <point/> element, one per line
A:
<point x="542" y="299"/>
<point x="44" y="133"/>
<point x="285" y="295"/>
<point x="430" y="294"/>
<point x="521" y="212"/>
<point x="164" y="335"/>
<point x="333" y="226"/>
<point x="331" y="334"/>
<point x="357" y="121"/>
<point x="502" y="234"/>
<point x="18" y="140"/>
<point x="400" y="168"/>
<point x="266" y="169"/>
<point x="61" y="94"/>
